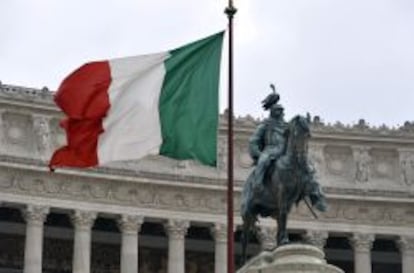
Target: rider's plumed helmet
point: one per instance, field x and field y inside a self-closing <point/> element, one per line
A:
<point x="271" y="99"/>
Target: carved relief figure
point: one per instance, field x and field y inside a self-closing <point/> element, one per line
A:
<point x="407" y="169"/>
<point x="316" y="160"/>
<point x="362" y="161"/>
<point x="41" y="127"/>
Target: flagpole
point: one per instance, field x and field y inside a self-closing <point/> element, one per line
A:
<point x="230" y="11"/>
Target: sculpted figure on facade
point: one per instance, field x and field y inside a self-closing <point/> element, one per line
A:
<point x="42" y="131"/>
<point x="407" y="168"/>
<point x="317" y="159"/>
<point x="362" y="161"/>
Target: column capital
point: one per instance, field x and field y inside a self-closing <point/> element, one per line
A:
<point x="35" y="215"/>
<point x="176" y="229"/>
<point x="267" y="237"/>
<point x="219" y="232"/>
<point x="83" y="219"/>
<point x="406" y="244"/>
<point x="316" y="237"/>
<point x="362" y="241"/>
<point x="130" y="224"/>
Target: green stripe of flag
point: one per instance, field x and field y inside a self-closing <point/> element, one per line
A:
<point x="188" y="102"/>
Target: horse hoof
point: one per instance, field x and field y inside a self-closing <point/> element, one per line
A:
<point x="321" y="206"/>
<point x="283" y="242"/>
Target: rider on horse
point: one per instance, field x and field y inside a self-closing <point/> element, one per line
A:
<point x="268" y="142"/>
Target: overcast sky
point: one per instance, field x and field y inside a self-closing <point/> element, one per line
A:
<point x="340" y="59"/>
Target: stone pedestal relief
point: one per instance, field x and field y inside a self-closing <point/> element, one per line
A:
<point x="35" y="216"/>
<point x="362" y="245"/>
<point x="129" y="225"/>
<point x="267" y="237"/>
<point x="406" y="246"/>
<point x="176" y="231"/>
<point x="83" y="222"/>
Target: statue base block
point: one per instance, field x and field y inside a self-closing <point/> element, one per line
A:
<point x="292" y="258"/>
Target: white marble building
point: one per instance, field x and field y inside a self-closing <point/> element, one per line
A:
<point x="160" y="215"/>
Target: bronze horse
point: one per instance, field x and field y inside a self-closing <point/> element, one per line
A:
<point x="287" y="182"/>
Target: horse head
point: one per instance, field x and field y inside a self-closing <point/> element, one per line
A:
<point x="299" y="135"/>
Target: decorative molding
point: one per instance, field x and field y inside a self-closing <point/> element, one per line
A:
<point x="176" y="229"/>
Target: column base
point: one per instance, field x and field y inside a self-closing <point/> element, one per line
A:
<point x="293" y="258"/>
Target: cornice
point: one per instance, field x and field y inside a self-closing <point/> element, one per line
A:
<point x="43" y="99"/>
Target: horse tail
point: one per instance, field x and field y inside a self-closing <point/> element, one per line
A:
<point x="245" y="237"/>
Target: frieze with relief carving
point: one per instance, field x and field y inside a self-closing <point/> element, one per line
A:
<point x="371" y="213"/>
<point x="114" y="192"/>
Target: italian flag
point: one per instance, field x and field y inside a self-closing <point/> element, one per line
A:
<point x="127" y="108"/>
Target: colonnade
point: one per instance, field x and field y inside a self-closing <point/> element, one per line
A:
<point x="176" y="230"/>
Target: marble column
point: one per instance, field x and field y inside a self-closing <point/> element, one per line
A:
<point x="83" y="222"/>
<point x="406" y="246"/>
<point x="316" y="238"/>
<point x="267" y="237"/>
<point x="362" y="244"/>
<point x="129" y="225"/>
<point x="35" y="216"/>
<point x="176" y="231"/>
<point x="219" y="232"/>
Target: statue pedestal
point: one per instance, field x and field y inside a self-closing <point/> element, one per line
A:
<point x="292" y="258"/>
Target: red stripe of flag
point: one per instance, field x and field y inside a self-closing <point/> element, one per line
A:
<point x="83" y="97"/>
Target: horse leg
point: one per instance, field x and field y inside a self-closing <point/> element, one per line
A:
<point x="245" y="238"/>
<point x="282" y="235"/>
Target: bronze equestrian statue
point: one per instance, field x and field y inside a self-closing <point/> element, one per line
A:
<point x="282" y="175"/>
